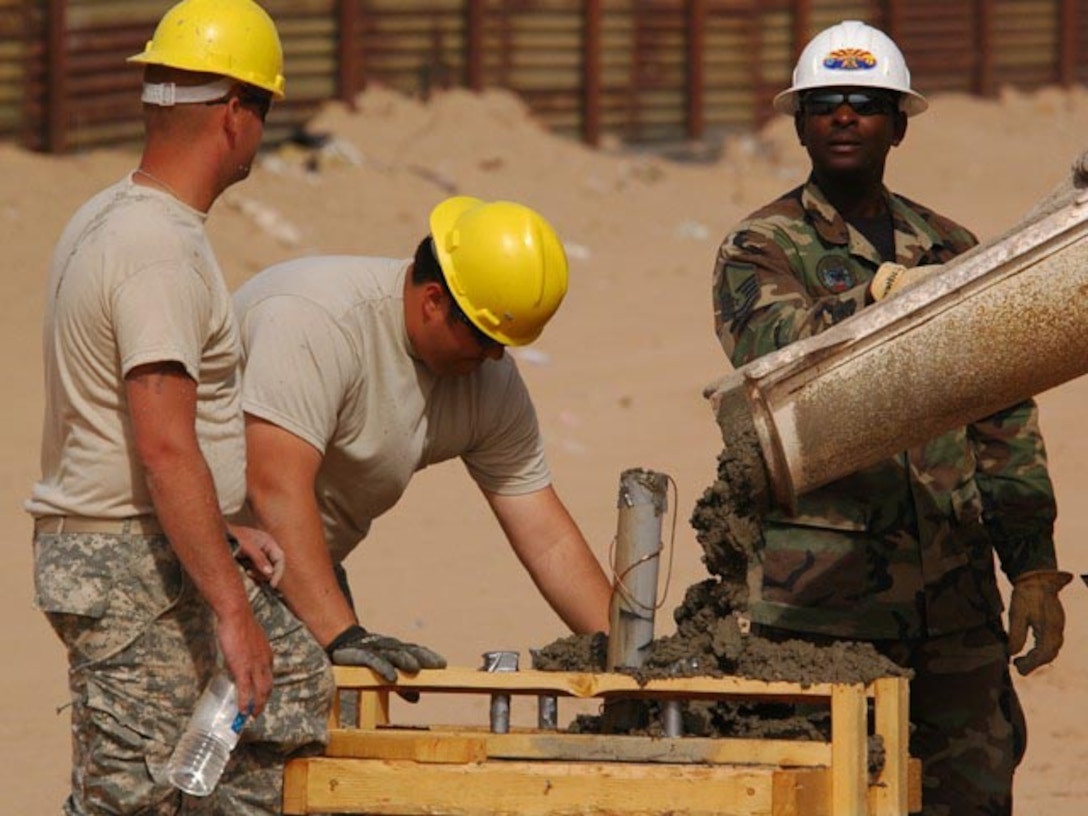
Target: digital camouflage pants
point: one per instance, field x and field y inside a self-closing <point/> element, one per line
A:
<point x="967" y="725"/>
<point x="141" y="645"/>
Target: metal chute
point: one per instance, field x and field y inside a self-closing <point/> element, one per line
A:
<point x="999" y="324"/>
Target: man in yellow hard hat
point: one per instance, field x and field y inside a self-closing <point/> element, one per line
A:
<point x="361" y="371"/>
<point x="137" y="565"/>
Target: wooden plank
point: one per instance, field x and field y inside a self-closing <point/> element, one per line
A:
<point x="534" y="789"/>
<point x="373" y="708"/>
<point x="296" y="787"/>
<point x="476" y="745"/>
<point x="418" y="746"/>
<point x="580" y="684"/>
<point x="801" y="793"/>
<point x="914" y="786"/>
<point x="346" y="786"/>
<point x="849" y="742"/>
<point x="891" y="719"/>
<point x="680" y="750"/>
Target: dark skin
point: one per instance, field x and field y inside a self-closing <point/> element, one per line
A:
<point x="848" y="153"/>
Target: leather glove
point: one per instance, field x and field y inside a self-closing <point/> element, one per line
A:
<point x="891" y="277"/>
<point x="355" y="646"/>
<point x="1035" y="605"/>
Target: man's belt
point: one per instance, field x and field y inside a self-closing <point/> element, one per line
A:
<point x="133" y="525"/>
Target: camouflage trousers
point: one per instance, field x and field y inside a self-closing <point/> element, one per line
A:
<point x="141" y="645"/>
<point x="968" y="728"/>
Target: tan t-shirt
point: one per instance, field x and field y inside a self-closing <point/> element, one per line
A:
<point x="327" y="357"/>
<point x="133" y="281"/>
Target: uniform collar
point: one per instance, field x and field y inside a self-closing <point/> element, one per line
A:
<point x="913" y="236"/>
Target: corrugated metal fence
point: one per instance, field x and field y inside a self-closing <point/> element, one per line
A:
<point x="642" y="70"/>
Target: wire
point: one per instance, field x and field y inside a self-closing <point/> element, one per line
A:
<point x="618" y="578"/>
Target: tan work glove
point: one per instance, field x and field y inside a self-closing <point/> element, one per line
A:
<point x="892" y="277"/>
<point x="1035" y="605"/>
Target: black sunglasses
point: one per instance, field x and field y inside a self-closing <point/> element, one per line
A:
<point x="260" y="101"/>
<point x="485" y="341"/>
<point x="864" y="103"/>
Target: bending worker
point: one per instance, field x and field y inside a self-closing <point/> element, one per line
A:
<point x="359" y="371"/>
<point x="900" y="554"/>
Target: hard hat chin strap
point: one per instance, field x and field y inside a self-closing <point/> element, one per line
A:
<point x="168" y="94"/>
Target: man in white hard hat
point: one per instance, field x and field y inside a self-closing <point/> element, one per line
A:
<point x="136" y="564"/>
<point x="902" y="553"/>
<point x="411" y="370"/>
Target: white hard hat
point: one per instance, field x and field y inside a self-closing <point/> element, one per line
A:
<point x="851" y="54"/>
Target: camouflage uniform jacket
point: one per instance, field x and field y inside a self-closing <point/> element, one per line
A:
<point x="904" y="548"/>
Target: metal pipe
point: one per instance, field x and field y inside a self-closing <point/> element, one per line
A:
<point x="500" y="661"/>
<point x="547" y="712"/>
<point x="995" y="326"/>
<point x="672" y="718"/>
<point x="642" y="505"/>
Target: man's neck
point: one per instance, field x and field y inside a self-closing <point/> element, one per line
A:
<point x="853" y="196"/>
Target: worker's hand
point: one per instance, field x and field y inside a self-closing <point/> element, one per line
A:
<point x="1035" y="605"/>
<point x="355" y="646"/>
<point x="892" y="277"/>
<point x="259" y="554"/>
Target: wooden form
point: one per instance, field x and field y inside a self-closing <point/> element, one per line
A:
<point x="378" y="768"/>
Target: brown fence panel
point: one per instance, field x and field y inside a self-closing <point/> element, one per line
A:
<point x="84" y="94"/>
<point x="407" y="45"/>
<point x="16" y="41"/>
<point x="749" y="58"/>
<point x="536" y="50"/>
<point x="826" y="13"/>
<point x="641" y="70"/>
<point x="940" y="41"/>
<point x="1025" y="43"/>
<point x="1076" y="20"/>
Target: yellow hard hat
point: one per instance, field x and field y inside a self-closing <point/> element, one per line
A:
<point x="231" y="38"/>
<point x="504" y="265"/>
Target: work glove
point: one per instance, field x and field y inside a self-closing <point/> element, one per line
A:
<point x="1035" y="605"/>
<point x="355" y="646"/>
<point x="892" y="277"/>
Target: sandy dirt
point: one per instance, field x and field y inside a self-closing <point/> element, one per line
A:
<point x="617" y="376"/>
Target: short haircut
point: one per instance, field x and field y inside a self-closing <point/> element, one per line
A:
<point x="425" y="266"/>
<point x="426" y="269"/>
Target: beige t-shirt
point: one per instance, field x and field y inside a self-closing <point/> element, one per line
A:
<point x="327" y="357"/>
<point x="133" y="281"/>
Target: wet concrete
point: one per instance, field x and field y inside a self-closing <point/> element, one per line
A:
<point x="712" y="638"/>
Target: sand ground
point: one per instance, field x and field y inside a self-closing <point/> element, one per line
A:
<point x="617" y="376"/>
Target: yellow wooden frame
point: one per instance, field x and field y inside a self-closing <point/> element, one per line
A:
<point x="377" y="768"/>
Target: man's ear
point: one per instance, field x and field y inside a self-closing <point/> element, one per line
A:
<point x="799" y="127"/>
<point x="900" y="127"/>
<point x="433" y="300"/>
<point x="231" y="109"/>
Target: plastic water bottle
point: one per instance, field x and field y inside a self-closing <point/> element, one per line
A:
<point x="204" y="748"/>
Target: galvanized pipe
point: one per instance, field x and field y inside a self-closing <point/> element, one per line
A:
<point x="642" y="505"/>
<point x="997" y="325"/>
<point x="642" y="502"/>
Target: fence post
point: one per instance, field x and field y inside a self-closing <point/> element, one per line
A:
<point x="350" y="68"/>
<point x="591" y="72"/>
<point x="474" y="45"/>
<point x="984" y="48"/>
<point x="696" y="45"/>
<point x="802" y="28"/>
<point x="56" y="57"/>
<point x="1067" y="32"/>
